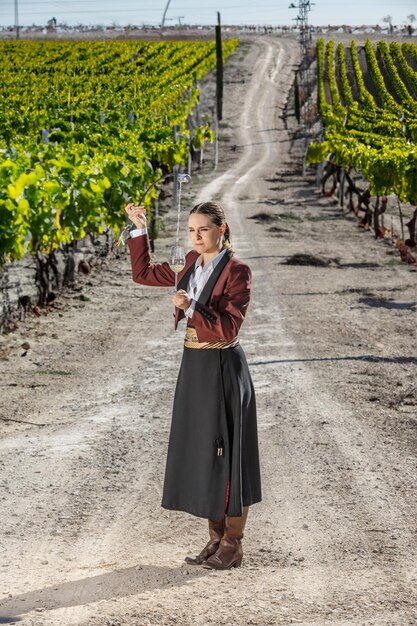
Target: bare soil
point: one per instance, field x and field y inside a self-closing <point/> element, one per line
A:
<point x="332" y="350"/>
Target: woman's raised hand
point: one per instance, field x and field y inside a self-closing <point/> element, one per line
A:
<point x="136" y="214"/>
<point x="181" y="300"/>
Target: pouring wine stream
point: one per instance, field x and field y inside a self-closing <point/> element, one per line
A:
<point x="181" y="178"/>
<point x="177" y="255"/>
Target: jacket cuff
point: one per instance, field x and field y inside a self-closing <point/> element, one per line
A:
<point x="137" y="232"/>
<point x="190" y="311"/>
<point x="205" y="312"/>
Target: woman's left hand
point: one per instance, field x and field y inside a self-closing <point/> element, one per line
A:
<point x="181" y="300"/>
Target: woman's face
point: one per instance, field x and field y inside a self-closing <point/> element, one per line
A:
<point x="205" y="236"/>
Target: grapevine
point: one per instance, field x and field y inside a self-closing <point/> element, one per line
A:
<point x="366" y="99"/>
<point x="347" y="90"/>
<point x="400" y="89"/>
<point x="378" y="80"/>
<point x="331" y="77"/>
<point x="409" y="74"/>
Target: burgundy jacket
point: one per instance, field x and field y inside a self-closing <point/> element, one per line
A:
<point x="222" y="315"/>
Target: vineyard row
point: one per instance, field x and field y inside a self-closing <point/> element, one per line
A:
<point x="374" y="132"/>
<point x="86" y="127"/>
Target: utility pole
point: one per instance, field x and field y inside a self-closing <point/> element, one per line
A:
<point x="305" y="82"/>
<point x="16" y="18"/>
<point x="219" y="89"/>
<point x="219" y="69"/>
<point x="165" y="12"/>
<point x="304" y="7"/>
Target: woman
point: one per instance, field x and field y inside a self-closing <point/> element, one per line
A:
<point x="212" y="467"/>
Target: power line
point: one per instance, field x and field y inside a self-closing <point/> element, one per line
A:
<point x="202" y="13"/>
<point x="156" y="10"/>
<point x="240" y="5"/>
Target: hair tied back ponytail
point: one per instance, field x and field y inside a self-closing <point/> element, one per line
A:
<point x="228" y="239"/>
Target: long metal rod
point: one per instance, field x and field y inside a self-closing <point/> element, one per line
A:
<point x="177" y="236"/>
<point x="181" y="178"/>
<point x="165" y="12"/>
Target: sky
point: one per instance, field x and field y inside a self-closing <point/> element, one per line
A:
<point x="123" y="12"/>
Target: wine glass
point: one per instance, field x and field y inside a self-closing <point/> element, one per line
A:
<point x="176" y="262"/>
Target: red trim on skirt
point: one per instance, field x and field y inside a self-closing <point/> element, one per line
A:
<point x="227" y="497"/>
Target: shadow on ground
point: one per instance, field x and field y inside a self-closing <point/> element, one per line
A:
<point x="388" y="304"/>
<point x="117" y="584"/>
<point x="370" y="358"/>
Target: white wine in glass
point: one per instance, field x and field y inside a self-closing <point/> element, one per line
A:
<point x="177" y="261"/>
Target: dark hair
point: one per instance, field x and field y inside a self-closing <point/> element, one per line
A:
<point x="216" y="212"/>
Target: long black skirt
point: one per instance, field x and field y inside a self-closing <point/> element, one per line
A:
<point x="212" y="466"/>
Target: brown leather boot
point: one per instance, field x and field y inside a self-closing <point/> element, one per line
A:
<point x="216" y="530"/>
<point x="229" y="553"/>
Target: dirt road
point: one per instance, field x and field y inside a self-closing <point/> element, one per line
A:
<point x="331" y="349"/>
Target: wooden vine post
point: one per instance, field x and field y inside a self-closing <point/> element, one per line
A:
<point x="297" y="98"/>
<point x="219" y="69"/>
<point x="219" y="88"/>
